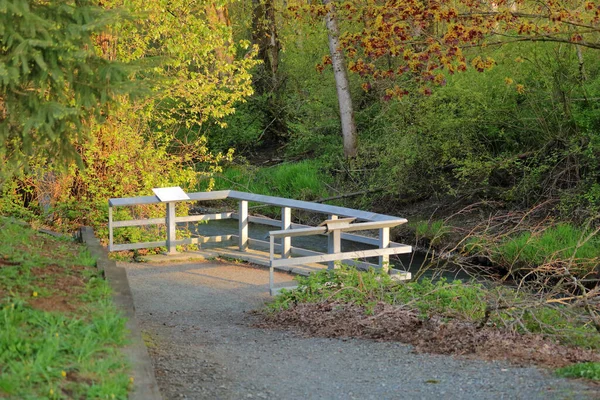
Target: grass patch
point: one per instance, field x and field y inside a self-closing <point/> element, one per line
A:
<point x="589" y="370"/>
<point x="59" y="331"/>
<point x="452" y="299"/>
<point x="435" y="231"/>
<point x="562" y="244"/>
<point x="303" y="180"/>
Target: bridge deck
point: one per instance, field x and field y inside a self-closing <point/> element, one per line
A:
<point x="253" y="256"/>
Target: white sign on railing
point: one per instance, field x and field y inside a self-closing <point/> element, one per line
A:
<point x="174" y="193"/>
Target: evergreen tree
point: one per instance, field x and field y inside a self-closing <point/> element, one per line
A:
<point x="53" y="84"/>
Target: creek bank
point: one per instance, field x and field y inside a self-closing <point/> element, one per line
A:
<point x="384" y="322"/>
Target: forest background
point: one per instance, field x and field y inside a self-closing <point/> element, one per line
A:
<point x="476" y="120"/>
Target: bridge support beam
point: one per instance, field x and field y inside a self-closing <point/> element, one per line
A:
<point x="286" y="223"/>
<point x="384" y="243"/>
<point x="171" y="228"/>
<point x="243" y="225"/>
<point x="334" y="243"/>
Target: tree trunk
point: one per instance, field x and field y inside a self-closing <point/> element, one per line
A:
<point x="267" y="80"/>
<point x="218" y="16"/>
<point x="341" y="82"/>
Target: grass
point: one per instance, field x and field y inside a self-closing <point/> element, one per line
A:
<point x="59" y="331"/>
<point x="435" y="231"/>
<point x="562" y="243"/>
<point x="303" y="180"/>
<point x="452" y="299"/>
<point x="466" y="301"/>
<point x="589" y="370"/>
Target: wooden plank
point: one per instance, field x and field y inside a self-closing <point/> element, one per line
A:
<point x="204" y="217"/>
<point x="384" y="242"/>
<point x="133" y="201"/>
<point x="322" y="229"/>
<point x="171" y="228"/>
<point x="243" y="225"/>
<point x="270" y="200"/>
<point x="300" y="252"/>
<point x="144" y="245"/>
<point x="334" y="238"/>
<point x="139" y="222"/>
<point x="345" y="236"/>
<point x="298" y="232"/>
<point x="342" y="256"/>
<point x="206" y="196"/>
<point x="286" y="224"/>
<point x="306" y="205"/>
<point x="205" y="239"/>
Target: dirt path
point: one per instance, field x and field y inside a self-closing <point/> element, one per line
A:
<point x="196" y="321"/>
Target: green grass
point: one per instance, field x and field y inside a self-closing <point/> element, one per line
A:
<point x="49" y="352"/>
<point x="452" y="299"/>
<point x="435" y="231"/>
<point x="589" y="370"/>
<point x="466" y="301"/>
<point x="303" y="180"/>
<point x="562" y="243"/>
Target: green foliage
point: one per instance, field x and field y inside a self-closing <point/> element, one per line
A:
<point x="435" y="231"/>
<point x="304" y="180"/>
<point x="562" y="244"/>
<point x="45" y="354"/>
<point x="198" y="78"/>
<point x="451" y="299"/>
<point x="52" y="83"/>
<point x="589" y="370"/>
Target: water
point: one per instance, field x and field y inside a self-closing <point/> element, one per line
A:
<point x="412" y="262"/>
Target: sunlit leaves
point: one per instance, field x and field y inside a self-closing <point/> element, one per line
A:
<point x="390" y="39"/>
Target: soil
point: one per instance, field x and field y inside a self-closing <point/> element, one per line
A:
<point x="390" y="323"/>
<point x="65" y="285"/>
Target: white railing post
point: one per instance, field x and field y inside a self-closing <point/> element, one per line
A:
<point x="286" y="223"/>
<point x="171" y="228"/>
<point x="271" y="268"/>
<point x="243" y="225"/>
<point x="334" y="243"/>
<point x="384" y="243"/>
<point x="110" y="229"/>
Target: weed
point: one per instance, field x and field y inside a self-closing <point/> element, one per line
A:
<point x="589" y="370"/>
<point x="434" y="231"/>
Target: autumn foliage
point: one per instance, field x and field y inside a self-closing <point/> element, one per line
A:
<point x="430" y="39"/>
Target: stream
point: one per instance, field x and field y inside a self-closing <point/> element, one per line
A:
<point x="411" y="262"/>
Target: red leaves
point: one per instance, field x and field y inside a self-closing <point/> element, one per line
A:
<point x="420" y="38"/>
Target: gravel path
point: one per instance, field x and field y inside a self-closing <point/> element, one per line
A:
<point x="196" y="323"/>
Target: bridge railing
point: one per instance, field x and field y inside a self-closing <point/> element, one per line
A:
<point x="339" y="224"/>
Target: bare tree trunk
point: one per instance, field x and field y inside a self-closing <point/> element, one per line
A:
<point x="268" y="80"/>
<point x="217" y="17"/>
<point x="341" y="82"/>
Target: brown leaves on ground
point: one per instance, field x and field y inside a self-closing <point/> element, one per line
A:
<point x="332" y="319"/>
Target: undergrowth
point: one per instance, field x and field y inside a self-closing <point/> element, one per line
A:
<point x="499" y="306"/>
<point x="589" y="370"/>
<point x="559" y="245"/>
<point x="302" y="180"/>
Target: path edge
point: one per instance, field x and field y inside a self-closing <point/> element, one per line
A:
<point x="145" y="386"/>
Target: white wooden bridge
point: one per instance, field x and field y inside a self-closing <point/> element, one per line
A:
<point x="339" y="223"/>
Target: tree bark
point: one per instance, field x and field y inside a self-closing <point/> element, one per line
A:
<point x="342" y="84"/>
<point x="217" y="17"/>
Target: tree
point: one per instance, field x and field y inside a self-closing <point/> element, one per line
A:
<point x="53" y="85"/>
<point x="427" y="39"/>
<point x="341" y="81"/>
